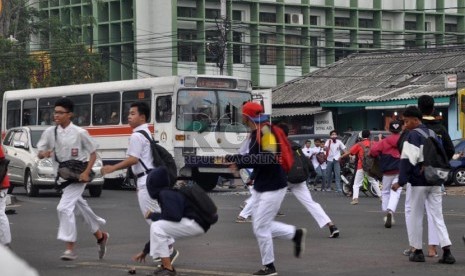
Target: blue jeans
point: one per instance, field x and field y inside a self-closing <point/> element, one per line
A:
<point x="320" y="174"/>
<point x="336" y="167"/>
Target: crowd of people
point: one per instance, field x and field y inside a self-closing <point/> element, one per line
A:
<point x="170" y="216"/>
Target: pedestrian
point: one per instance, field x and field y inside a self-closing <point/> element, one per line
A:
<point x="320" y="166"/>
<point x="65" y="142"/>
<point x="270" y="184"/>
<point x="139" y="159"/>
<point x="333" y="148"/>
<point x="358" y="150"/>
<point x="307" y="151"/>
<point x="303" y="195"/>
<point x="5" y="233"/>
<point x="388" y="153"/>
<point x="177" y="218"/>
<point x="420" y="190"/>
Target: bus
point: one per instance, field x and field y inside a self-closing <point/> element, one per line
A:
<point x="196" y="118"/>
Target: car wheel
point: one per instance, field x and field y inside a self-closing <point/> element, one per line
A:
<point x="459" y="177"/>
<point x="31" y="190"/>
<point x="95" y="191"/>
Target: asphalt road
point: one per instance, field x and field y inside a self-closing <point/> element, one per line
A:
<point x="364" y="248"/>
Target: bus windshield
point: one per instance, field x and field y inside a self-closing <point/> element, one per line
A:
<point x="210" y="110"/>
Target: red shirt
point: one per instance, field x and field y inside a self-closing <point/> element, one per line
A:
<point x="358" y="150"/>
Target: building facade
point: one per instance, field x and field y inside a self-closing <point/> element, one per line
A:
<point x="269" y="42"/>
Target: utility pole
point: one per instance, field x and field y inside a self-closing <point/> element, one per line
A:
<point x="223" y="37"/>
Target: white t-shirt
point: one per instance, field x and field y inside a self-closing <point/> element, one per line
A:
<point x="335" y="149"/>
<point x="139" y="147"/>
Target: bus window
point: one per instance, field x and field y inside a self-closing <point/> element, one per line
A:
<point x="104" y="105"/>
<point x="29" y="112"/>
<point x="163" y="109"/>
<point x="46" y="108"/>
<point x="13" y="114"/>
<point x="132" y="96"/>
<point x="81" y="110"/>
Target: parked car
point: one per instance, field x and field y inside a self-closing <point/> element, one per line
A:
<point x="457" y="174"/>
<point x="25" y="169"/>
<point x="349" y="138"/>
<point x="302" y="138"/>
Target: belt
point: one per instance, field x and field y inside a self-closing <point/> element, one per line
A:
<point x="143" y="173"/>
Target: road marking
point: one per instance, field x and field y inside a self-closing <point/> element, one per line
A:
<point x="443" y="213"/>
<point x="150" y="268"/>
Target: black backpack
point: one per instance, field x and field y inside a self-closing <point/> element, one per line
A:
<point x="299" y="171"/>
<point x="3" y="168"/>
<point x="202" y="204"/>
<point x="435" y="165"/>
<point x="370" y="165"/>
<point x="161" y="157"/>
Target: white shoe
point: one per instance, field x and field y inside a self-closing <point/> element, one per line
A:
<point x="68" y="255"/>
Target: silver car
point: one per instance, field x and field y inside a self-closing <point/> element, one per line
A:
<point x="25" y="169"/>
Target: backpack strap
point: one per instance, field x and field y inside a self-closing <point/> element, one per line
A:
<point x="424" y="134"/>
<point x="157" y="159"/>
<point x="140" y="160"/>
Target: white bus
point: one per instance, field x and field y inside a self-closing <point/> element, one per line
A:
<point x="191" y="116"/>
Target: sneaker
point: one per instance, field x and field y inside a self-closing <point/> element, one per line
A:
<point x="311" y="187"/>
<point x="161" y="271"/>
<point x="447" y="258"/>
<point x="266" y="271"/>
<point x="417" y="256"/>
<point x="68" y="255"/>
<point x="334" y="231"/>
<point x="102" y="246"/>
<point x="388" y="220"/>
<point x="354" y="201"/>
<point x="240" y="219"/>
<point x="299" y="242"/>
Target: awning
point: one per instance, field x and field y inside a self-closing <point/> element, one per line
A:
<point x="392" y="104"/>
<point x="296" y="111"/>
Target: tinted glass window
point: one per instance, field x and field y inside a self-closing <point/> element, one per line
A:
<point x="46" y="107"/>
<point x="81" y="109"/>
<point x="13" y="114"/>
<point x="7" y="140"/>
<point x="106" y="105"/>
<point x="163" y="109"/>
<point x="29" y="112"/>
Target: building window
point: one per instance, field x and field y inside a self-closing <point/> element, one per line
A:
<point x="267" y="53"/>
<point x="187" y="12"/>
<point x="365" y="45"/>
<point x="365" y="23"/>
<point x="237" y="48"/>
<point x="213" y="50"/>
<point x="268" y="17"/>
<point x="341" y="21"/>
<point x="237" y="15"/>
<point x="212" y="14"/>
<point x="450" y="28"/>
<point x="187" y="50"/>
<point x="410" y="25"/>
<point x="314" y="51"/>
<point x="314" y="20"/>
<point x="293" y="56"/>
<point x="341" y="52"/>
<point x="410" y="44"/>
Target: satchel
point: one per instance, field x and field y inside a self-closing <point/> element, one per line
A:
<point x="69" y="172"/>
<point x="321" y="157"/>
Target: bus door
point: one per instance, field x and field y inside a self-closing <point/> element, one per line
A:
<point x="164" y="120"/>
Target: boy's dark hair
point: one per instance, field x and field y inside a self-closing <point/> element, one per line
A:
<point x="316" y="140"/>
<point x="365" y="133"/>
<point x="332" y="131"/>
<point x="426" y="104"/>
<point x="143" y="109"/>
<point x="412" y="112"/>
<point x="284" y="127"/>
<point x="66" y="103"/>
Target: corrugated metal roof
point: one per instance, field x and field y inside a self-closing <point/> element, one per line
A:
<point x="378" y="76"/>
<point x="295" y="111"/>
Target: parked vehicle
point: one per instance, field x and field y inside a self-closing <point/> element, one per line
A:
<point x="349" y="138"/>
<point x="302" y="138"/>
<point x="25" y="169"/>
<point x="457" y="174"/>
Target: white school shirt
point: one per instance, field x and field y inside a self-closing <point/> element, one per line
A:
<point x="139" y="147"/>
<point x="334" y="149"/>
<point x="72" y="143"/>
<point x="313" y="151"/>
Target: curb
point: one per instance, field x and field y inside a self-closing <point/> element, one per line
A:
<point x="10" y="200"/>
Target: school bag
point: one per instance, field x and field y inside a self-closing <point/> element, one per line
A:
<point x="370" y="164"/>
<point x="202" y="204"/>
<point x="321" y="157"/>
<point x="272" y="136"/>
<point x="435" y="165"/>
<point x="3" y="168"/>
<point x="299" y="171"/>
<point x="161" y="157"/>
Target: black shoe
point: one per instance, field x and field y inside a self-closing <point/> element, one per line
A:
<point x="388" y="222"/>
<point x="447" y="258"/>
<point x="334" y="231"/>
<point x="266" y="271"/>
<point x="417" y="256"/>
<point x="299" y="242"/>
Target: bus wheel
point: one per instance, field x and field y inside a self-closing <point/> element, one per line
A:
<point x="207" y="181"/>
